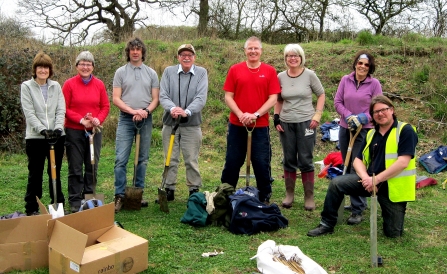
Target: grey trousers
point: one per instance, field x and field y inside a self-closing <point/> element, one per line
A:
<point x="187" y="140"/>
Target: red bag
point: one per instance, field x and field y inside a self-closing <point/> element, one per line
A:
<point x="426" y="182"/>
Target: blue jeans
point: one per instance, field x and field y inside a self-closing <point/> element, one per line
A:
<point x="125" y="136"/>
<point x="358" y="203"/>
<point x="261" y="154"/>
<point x="392" y="213"/>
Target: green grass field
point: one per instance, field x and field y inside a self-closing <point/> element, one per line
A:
<point x="176" y="248"/>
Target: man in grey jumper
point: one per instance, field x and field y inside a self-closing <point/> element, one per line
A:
<point x="183" y="93"/>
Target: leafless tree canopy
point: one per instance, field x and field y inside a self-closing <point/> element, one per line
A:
<point x="72" y="20"/>
<point x="275" y="21"/>
<point x="380" y="12"/>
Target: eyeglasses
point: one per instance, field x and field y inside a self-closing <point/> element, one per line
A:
<point x="292" y="56"/>
<point x="383" y="110"/>
<point x="186" y="55"/>
<point x="85" y="65"/>
<point x="253" y="49"/>
<point x="43" y="67"/>
<point x="359" y="63"/>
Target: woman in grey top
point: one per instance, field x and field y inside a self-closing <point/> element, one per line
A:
<point x="43" y="104"/>
<point x="296" y="120"/>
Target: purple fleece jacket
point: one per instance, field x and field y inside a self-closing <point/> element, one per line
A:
<point x="351" y="101"/>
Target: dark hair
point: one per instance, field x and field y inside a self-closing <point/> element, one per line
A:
<point x="372" y="64"/>
<point x="135" y="43"/>
<point x="42" y="60"/>
<point x="382" y="99"/>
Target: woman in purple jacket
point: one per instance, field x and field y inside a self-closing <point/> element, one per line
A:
<point x="352" y="101"/>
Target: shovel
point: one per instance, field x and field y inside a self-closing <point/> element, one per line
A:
<point x="247" y="170"/>
<point x="162" y="195"/>
<point x="97" y="196"/>
<point x="346" y="164"/>
<point x="134" y="195"/>
<point x="55" y="209"/>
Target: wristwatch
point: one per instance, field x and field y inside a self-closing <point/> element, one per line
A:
<point x="148" y="111"/>
<point x="257" y="115"/>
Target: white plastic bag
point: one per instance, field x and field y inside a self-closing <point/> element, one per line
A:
<point x="266" y="265"/>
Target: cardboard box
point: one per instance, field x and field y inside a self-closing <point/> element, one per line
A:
<point x="90" y="242"/>
<point x="23" y="242"/>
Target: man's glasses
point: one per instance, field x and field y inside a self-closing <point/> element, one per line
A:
<point x="292" y="56"/>
<point x="186" y="55"/>
<point x="85" y="65"/>
<point x="359" y="63"/>
<point x="383" y="110"/>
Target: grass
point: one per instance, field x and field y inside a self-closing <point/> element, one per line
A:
<point x="176" y="248"/>
<point x="412" y="72"/>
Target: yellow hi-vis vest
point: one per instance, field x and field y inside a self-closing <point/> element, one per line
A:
<point x="401" y="188"/>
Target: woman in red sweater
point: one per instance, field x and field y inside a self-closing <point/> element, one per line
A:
<point x="87" y="107"/>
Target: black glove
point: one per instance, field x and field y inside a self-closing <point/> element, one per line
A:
<point x="184" y="119"/>
<point x="276" y="120"/>
<point x="47" y="133"/>
<point x="57" y="133"/>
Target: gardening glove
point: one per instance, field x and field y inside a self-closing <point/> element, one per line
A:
<point x="276" y="120"/>
<point x="317" y="115"/>
<point x="57" y="133"/>
<point x="363" y="119"/>
<point x="47" y="133"/>
<point x="353" y="123"/>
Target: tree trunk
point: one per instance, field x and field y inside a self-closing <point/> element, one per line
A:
<point x="203" y="17"/>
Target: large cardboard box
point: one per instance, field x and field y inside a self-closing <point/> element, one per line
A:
<point x="23" y="242"/>
<point x="90" y="242"/>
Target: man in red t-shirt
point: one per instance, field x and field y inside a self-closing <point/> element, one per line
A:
<point x="251" y="90"/>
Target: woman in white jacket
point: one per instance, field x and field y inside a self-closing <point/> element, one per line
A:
<point x="43" y="104"/>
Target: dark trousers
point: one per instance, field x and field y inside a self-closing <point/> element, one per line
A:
<point x="392" y="213"/>
<point x="37" y="150"/>
<point x="261" y="155"/>
<point x="80" y="171"/>
<point x="298" y="143"/>
<point x="358" y="203"/>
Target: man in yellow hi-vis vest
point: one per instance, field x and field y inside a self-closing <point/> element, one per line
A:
<point x="388" y="152"/>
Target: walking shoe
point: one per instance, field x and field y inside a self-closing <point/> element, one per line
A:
<point x="355" y="219"/>
<point x="191" y="192"/>
<point x="118" y="203"/>
<point x="170" y="194"/>
<point x="144" y="203"/>
<point x="320" y="230"/>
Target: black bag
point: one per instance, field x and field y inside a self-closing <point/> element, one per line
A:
<point x="250" y="216"/>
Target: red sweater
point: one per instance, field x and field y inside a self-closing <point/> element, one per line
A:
<point x="81" y="99"/>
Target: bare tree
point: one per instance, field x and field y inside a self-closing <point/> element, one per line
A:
<point x="380" y="12"/>
<point x="439" y="16"/>
<point x="297" y="16"/>
<point x="202" y="11"/>
<point x="74" y="19"/>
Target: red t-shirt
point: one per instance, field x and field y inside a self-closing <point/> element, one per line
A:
<point x="251" y="89"/>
